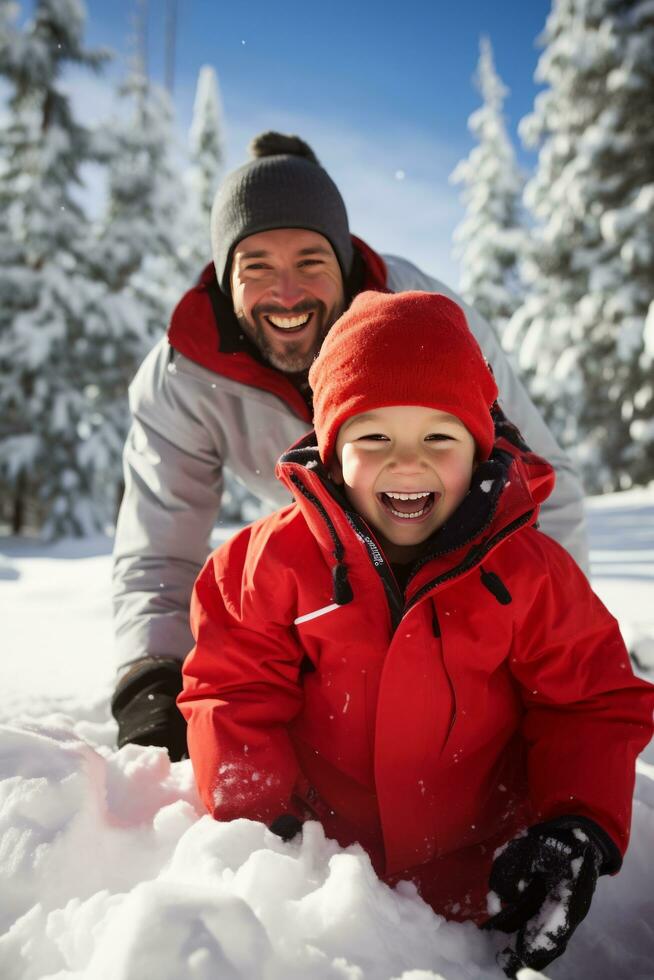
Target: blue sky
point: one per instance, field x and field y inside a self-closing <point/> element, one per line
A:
<point x="382" y="93"/>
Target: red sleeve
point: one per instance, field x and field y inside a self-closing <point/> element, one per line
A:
<point x="241" y="689"/>
<point x="587" y="715"/>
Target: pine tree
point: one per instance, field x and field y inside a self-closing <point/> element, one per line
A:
<point x="46" y="292"/>
<point x="15" y="440"/>
<point x="136" y="254"/>
<point x="207" y="156"/>
<point x="546" y="330"/>
<point x="141" y="231"/>
<point x="616" y="155"/>
<point x="581" y="331"/>
<point x="490" y="238"/>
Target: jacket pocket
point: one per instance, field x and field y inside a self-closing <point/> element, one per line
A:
<point x="448" y="678"/>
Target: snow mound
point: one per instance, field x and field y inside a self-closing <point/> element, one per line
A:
<point x="109" y="869"/>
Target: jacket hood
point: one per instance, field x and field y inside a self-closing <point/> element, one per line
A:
<point x="505" y="494"/>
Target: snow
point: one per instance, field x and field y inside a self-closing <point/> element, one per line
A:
<point x="110" y="869"/>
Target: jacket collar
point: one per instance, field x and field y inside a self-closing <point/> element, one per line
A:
<point x="505" y="495"/>
<point x="204" y="328"/>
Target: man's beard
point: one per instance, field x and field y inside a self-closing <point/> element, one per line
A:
<point x="295" y="357"/>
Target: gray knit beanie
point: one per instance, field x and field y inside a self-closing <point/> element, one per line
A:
<point x="284" y="186"/>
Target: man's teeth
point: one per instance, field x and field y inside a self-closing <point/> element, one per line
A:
<point x="407" y="496"/>
<point x="289" y="322"/>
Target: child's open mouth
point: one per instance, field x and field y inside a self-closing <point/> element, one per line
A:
<point x="409" y="506"/>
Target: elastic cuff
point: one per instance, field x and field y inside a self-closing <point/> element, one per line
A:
<point x="286" y="826"/>
<point x="609" y="850"/>
<point x="146" y="672"/>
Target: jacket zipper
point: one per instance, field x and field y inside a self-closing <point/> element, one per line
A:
<point x="473" y="558"/>
<point x="397" y="608"/>
<point x="394" y="598"/>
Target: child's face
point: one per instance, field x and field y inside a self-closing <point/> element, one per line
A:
<point x="404" y="449"/>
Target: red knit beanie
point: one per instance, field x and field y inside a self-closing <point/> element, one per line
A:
<point x="401" y="349"/>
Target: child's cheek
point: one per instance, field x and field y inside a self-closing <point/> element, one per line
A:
<point x="352" y="466"/>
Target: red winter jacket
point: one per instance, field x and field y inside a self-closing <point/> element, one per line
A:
<point x="428" y="726"/>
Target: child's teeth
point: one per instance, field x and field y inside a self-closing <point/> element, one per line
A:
<point x="408" y="517"/>
<point x="403" y="509"/>
<point x="407" y="496"/>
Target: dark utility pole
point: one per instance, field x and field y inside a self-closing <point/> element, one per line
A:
<point x="141" y="37"/>
<point x="171" y="38"/>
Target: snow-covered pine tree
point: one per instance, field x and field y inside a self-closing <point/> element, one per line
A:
<point x="616" y="156"/>
<point x="580" y="332"/>
<point x="14" y="442"/>
<point x="142" y="230"/>
<point x="490" y="238"/>
<point x="207" y="157"/>
<point x="137" y="252"/>
<point x="47" y="347"/>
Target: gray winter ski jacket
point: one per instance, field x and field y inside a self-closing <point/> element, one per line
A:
<point x="189" y="421"/>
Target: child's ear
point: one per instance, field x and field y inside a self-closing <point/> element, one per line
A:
<point x="336" y="471"/>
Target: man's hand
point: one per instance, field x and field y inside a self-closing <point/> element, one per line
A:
<point x="145" y="709"/>
<point x="544" y="882"/>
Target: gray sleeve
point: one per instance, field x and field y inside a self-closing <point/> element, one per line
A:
<point x="173" y="484"/>
<point x="562" y="514"/>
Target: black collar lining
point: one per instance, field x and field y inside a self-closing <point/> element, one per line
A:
<point x="473" y="515"/>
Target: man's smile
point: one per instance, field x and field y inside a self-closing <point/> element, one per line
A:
<point x="292" y="323"/>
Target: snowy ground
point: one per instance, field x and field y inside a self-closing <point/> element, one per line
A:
<point x="108" y="869"/>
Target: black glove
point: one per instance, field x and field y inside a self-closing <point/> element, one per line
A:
<point x="545" y="882"/>
<point x="286" y="826"/>
<point x="144" y="707"/>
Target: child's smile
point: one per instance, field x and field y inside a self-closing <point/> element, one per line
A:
<point x="404" y="469"/>
<point x="409" y="506"/>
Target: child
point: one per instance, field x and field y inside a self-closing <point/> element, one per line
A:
<point x="401" y="655"/>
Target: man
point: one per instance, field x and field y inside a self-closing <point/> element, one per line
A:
<point x="228" y="385"/>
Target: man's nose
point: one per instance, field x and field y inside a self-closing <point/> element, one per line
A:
<point x="288" y="289"/>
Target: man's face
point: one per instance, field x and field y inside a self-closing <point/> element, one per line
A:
<point x="405" y="469"/>
<point x="287" y="291"/>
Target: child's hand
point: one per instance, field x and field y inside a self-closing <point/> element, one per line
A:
<point x="544" y="881"/>
<point x="286" y="826"/>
